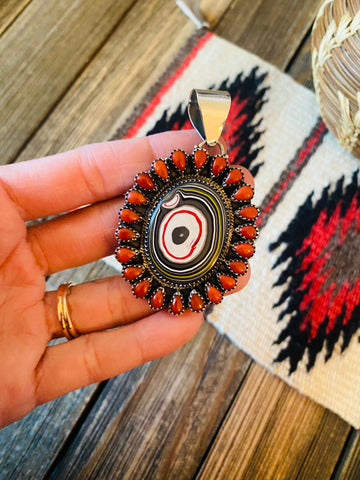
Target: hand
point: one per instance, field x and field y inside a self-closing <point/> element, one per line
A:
<point x="97" y="176"/>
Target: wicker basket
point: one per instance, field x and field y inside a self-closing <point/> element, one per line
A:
<point x="336" y="69"/>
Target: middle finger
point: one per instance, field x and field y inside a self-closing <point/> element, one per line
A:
<point x="76" y="238"/>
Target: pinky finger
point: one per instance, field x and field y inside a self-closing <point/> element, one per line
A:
<point x="97" y="356"/>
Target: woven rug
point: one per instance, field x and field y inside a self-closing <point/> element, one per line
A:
<point x="299" y="315"/>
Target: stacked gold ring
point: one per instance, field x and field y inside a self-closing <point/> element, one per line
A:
<point x="67" y="326"/>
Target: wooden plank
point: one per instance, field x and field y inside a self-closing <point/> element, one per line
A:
<point x="272" y="29"/>
<point x="214" y="11"/>
<point x="28" y="446"/>
<point x="116" y="394"/>
<point x="165" y="429"/>
<point x="40" y="56"/>
<point x="273" y="432"/>
<point x="131" y="61"/>
<point x="349" y="467"/>
<point x="325" y="447"/>
<point x="300" y="67"/>
<point x="9" y="10"/>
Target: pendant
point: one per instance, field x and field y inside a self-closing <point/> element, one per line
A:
<point x="187" y="228"/>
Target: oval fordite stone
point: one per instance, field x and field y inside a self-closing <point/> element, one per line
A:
<point x="184" y="230"/>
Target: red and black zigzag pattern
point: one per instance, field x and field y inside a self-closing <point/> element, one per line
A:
<point x="242" y="130"/>
<point x="322" y="256"/>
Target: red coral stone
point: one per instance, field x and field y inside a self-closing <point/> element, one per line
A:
<point x="213" y="294"/>
<point x="234" y="176"/>
<point x="248" y="212"/>
<point x="126" y="234"/>
<point x="196" y="302"/>
<point x="246" y="250"/>
<point x="157" y="300"/>
<point x="125" y="254"/>
<point x="176" y="305"/>
<point x="227" y="282"/>
<point x="128" y="215"/>
<point x="145" y="181"/>
<point x="179" y="159"/>
<point x="218" y="165"/>
<point x="238" y="267"/>
<point x="161" y="169"/>
<point x="130" y="273"/>
<point x="136" y="197"/>
<point x="248" y="231"/>
<point x="199" y="159"/>
<point x="142" y="288"/>
<point x="244" y="193"/>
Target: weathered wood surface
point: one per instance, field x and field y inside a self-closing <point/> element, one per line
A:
<point x="166" y="428"/>
<point x="300" y="66"/>
<point x="349" y="464"/>
<point x="272" y="29"/>
<point x="283" y="435"/>
<point x="116" y="80"/>
<point x="9" y="10"/>
<point x="174" y="417"/>
<point x="41" y="55"/>
<point x="27" y="447"/>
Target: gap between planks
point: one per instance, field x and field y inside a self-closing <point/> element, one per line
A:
<point x="9" y="11"/>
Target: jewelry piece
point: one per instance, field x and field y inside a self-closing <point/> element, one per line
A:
<point x="67" y="326"/>
<point x="187" y="228"/>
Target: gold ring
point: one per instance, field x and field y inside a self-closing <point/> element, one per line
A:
<point x="67" y="326"/>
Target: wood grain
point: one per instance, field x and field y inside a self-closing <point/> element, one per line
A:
<point x="166" y="428"/>
<point x="27" y="447"/>
<point x="116" y="80"/>
<point x="324" y="449"/>
<point x="113" y="399"/>
<point x="274" y="432"/>
<point x="9" y="10"/>
<point x="32" y="455"/>
<point x="272" y="29"/>
<point x="300" y="67"/>
<point x="349" y="466"/>
<point x="134" y="433"/>
<point x="42" y="53"/>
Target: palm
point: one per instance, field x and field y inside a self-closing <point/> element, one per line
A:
<point x="24" y="334"/>
<point x="31" y="371"/>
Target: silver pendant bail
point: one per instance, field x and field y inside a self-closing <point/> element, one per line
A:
<point x="208" y="110"/>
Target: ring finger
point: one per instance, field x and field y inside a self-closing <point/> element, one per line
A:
<point x="104" y="304"/>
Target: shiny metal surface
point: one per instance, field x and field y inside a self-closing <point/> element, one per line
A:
<point x="208" y="110"/>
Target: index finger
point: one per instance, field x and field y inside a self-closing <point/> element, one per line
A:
<point x="87" y="175"/>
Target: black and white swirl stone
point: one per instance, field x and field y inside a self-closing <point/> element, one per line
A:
<point x="186" y="231"/>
